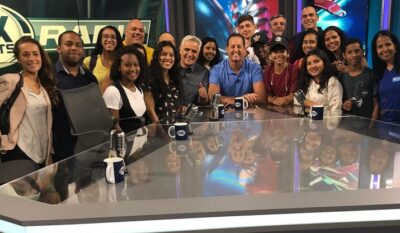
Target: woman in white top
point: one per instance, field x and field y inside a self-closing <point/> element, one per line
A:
<point x="30" y="120"/>
<point x="125" y="98"/>
<point x="319" y="84"/>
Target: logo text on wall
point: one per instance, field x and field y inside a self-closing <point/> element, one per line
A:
<point x="13" y="25"/>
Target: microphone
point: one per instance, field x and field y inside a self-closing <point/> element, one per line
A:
<point x="238" y="80"/>
<point x="120" y="145"/>
<point x="359" y="88"/>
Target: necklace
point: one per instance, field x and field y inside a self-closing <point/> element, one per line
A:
<point x="273" y="77"/>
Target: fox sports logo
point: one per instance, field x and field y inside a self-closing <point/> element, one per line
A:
<point x="12" y="27"/>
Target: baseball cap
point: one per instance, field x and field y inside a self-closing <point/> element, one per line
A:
<point x="279" y="41"/>
<point x="259" y="38"/>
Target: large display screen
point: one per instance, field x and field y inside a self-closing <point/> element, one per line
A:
<point x="217" y="18"/>
<point x="349" y="15"/>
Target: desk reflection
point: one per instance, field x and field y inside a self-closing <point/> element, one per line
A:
<point x="264" y="154"/>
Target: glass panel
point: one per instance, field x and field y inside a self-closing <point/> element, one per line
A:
<point x="251" y="152"/>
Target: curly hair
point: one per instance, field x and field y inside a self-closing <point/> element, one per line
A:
<point x="378" y="64"/>
<point x="156" y="77"/>
<point x="327" y="72"/>
<point x="46" y="74"/>
<point x="115" y="73"/>
<point x="202" y="60"/>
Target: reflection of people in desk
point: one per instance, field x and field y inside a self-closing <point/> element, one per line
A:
<point x="348" y="153"/>
<point x="236" y="148"/>
<point x="197" y="153"/>
<point x="139" y="172"/>
<point x="378" y="160"/>
<point x="173" y="162"/>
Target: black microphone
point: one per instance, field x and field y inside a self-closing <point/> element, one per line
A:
<point x="120" y="145"/>
<point x="238" y="80"/>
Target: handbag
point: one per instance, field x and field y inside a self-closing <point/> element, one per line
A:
<point x="6" y="107"/>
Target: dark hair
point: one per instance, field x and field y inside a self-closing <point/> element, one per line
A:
<point x="156" y="80"/>
<point x="99" y="46"/>
<point x="352" y="41"/>
<point x="327" y="72"/>
<point x="139" y="46"/>
<point x="342" y="37"/>
<point x="378" y="65"/>
<point x="300" y="51"/>
<point x="115" y="73"/>
<point x="201" y="60"/>
<point x="275" y="17"/>
<point x="46" y="73"/>
<point x="235" y="35"/>
<point x="67" y="32"/>
<point x="243" y="18"/>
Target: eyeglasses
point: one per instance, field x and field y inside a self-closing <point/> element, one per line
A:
<point x="106" y="37"/>
<point x="276" y="16"/>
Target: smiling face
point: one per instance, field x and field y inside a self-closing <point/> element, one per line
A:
<point x="246" y="29"/>
<point x="278" y="26"/>
<point x="236" y="50"/>
<point x="209" y="51"/>
<point x="353" y="54"/>
<point x="309" y="18"/>
<point x="129" y="68"/>
<point x="315" y="66"/>
<point x="70" y="49"/>
<point x="30" y="58"/>
<point x="167" y="58"/>
<point x="385" y="49"/>
<point x="134" y="32"/>
<point x="280" y="56"/>
<point x="310" y="42"/>
<point x="332" y="41"/>
<point x="108" y="39"/>
<point x="189" y="52"/>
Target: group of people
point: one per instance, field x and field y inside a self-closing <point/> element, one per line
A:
<point x="158" y="83"/>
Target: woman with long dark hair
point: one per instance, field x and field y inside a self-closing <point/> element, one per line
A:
<point x="164" y="89"/>
<point x="308" y="43"/>
<point x="124" y="98"/>
<point x="386" y="65"/>
<point x="99" y="63"/>
<point x="334" y="41"/>
<point x="29" y="135"/>
<point x="319" y="83"/>
<point x="209" y="53"/>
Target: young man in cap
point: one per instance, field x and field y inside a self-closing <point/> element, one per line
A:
<point x="280" y="78"/>
<point x="260" y="45"/>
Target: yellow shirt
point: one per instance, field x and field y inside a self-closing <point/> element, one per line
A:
<point x="100" y="71"/>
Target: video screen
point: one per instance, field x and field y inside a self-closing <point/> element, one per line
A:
<point x="217" y="18"/>
<point x="349" y="15"/>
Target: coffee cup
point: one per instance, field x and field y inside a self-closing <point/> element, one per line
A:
<point x="317" y="112"/>
<point x="179" y="131"/>
<point x="241" y="103"/>
<point x="115" y="170"/>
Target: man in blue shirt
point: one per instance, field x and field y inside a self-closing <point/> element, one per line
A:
<point x="237" y="76"/>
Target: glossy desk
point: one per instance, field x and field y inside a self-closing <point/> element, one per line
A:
<point x="253" y="171"/>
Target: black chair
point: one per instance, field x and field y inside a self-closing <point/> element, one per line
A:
<point x="14" y="169"/>
<point x="89" y="117"/>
